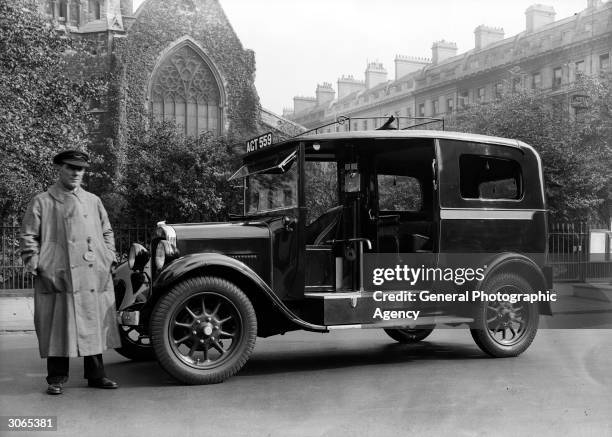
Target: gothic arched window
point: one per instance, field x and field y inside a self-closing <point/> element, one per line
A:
<point x="185" y="90"/>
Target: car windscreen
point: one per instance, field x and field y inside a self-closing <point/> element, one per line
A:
<point x="271" y="183"/>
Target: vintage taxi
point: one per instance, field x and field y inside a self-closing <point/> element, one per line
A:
<point x="319" y="211"/>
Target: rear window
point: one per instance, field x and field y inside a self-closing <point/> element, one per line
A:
<point x="486" y="177"/>
<point x="399" y="193"/>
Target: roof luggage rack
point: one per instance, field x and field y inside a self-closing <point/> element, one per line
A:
<point x="392" y="123"/>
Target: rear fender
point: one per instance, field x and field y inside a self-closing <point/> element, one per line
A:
<point x="523" y="266"/>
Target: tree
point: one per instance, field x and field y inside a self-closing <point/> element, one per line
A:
<point x="576" y="152"/>
<point x="42" y="109"/>
<point x="176" y="178"/>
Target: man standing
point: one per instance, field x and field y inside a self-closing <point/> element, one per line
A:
<point x="67" y="243"/>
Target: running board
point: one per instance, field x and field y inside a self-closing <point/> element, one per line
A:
<point x="408" y="324"/>
<point x="354" y="309"/>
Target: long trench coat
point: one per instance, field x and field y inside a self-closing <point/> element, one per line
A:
<point x="71" y="239"/>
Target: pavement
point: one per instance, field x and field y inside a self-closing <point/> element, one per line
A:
<point x="574" y="299"/>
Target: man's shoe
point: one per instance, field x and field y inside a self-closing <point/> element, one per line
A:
<point x="55" y="389"/>
<point x="102" y="383"/>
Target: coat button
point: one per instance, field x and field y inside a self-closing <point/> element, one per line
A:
<point x="90" y="265"/>
<point x="85" y="215"/>
<point x="92" y="290"/>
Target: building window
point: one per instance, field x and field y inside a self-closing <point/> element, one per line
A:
<point x="536" y="82"/>
<point x="365" y="124"/>
<point x="185" y="90"/>
<point x="480" y="94"/>
<point x="604" y="62"/>
<point x="95" y="9"/>
<point x="565" y="36"/>
<point x="408" y="112"/>
<point x="421" y="109"/>
<point x="450" y="105"/>
<point x="436" y="109"/>
<point x="63" y="10"/>
<point x="499" y="87"/>
<point x="557" y="77"/>
<point x="516" y="84"/>
<point x="463" y="99"/>
<point x="580" y="67"/>
<point x="75" y="13"/>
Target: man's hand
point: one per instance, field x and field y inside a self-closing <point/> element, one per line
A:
<point x="31" y="265"/>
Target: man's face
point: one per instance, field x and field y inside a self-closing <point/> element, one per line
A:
<point x="71" y="176"/>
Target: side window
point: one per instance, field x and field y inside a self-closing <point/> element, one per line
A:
<point x="399" y="193"/>
<point x="486" y="177"/>
<point x="321" y="188"/>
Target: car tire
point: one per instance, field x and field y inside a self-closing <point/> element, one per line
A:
<point x="407" y="336"/>
<point x="203" y="330"/>
<point x="504" y="329"/>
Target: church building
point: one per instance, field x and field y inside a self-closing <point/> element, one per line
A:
<point x="168" y="60"/>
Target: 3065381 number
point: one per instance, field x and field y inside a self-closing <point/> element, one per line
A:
<point x="29" y="423"/>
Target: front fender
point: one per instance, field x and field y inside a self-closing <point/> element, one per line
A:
<point x="522" y="265"/>
<point x="184" y="266"/>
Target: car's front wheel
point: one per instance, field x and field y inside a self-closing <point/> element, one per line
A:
<point x="503" y="328"/>
<point x="203" y="331"/>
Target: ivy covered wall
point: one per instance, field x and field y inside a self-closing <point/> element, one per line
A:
<point x="158" y="26"/>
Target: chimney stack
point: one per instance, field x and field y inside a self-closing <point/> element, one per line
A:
<point x="348" y="85"/>
<point x="375" y="74"/>
<point x="484" y="35"/>
<point x="325" y="93"/>
<point x="539" y="15"/>
<point x="408" y="64"/>
<point x="441" y="50"/>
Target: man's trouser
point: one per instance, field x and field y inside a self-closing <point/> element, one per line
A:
<point x="57" y="368"/>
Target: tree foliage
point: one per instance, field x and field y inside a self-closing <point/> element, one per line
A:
<point x="175" y="178"/>
<point x="42" y="109"/>
<point x="576" y="151"/>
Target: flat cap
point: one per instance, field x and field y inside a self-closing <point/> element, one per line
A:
<point x="72" y="157"/>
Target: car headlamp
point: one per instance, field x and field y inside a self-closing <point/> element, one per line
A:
<point x="137" y="257"/>
<point x="164" y="253"/>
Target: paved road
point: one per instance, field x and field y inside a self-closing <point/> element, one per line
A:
<point x="350" y="383"/>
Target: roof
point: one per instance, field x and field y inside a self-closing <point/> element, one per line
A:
<point x="390" y="134"/>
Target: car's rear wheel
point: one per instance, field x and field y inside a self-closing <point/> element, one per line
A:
<point x="409" y="335"/>
<point x="203" y="331"/>
<point x="503" y="328"/>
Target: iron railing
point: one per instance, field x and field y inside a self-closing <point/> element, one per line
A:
<point x="11" y="267"/>
<point x="569" y="253"/>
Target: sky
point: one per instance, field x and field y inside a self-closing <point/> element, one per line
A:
<point x="300" y="43"/>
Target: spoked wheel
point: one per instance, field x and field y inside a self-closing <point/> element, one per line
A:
<point x="203" y="330"/>
<point x="409" y="335"/>
<point x="134" y="344"/>
<point x="502" y="328"/>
